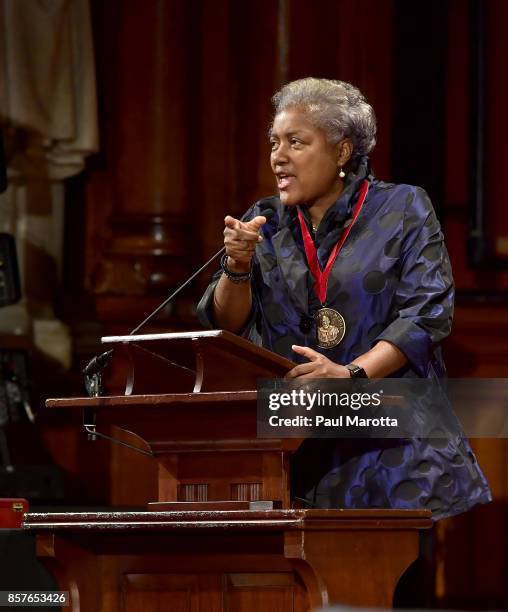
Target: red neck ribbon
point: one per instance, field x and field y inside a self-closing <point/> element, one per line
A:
<point x="321" y="277"/>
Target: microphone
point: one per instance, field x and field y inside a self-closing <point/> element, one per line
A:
<point x="98" y="363"/>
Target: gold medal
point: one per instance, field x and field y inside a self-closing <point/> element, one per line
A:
<point x="330" y="324"/>
<point x="330" y="327"/>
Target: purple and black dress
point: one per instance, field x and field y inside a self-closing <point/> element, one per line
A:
<point x="391" y="281"/>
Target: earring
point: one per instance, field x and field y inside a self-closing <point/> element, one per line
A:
<point x="342" y="174"/>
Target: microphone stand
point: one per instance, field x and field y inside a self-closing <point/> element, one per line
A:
<point x="176" y="292"/>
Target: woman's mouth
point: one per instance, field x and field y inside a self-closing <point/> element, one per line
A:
<point x="284" y="181"/>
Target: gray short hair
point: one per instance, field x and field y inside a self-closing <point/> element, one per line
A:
<point x="338" y="108"/>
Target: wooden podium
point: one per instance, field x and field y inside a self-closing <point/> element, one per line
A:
<point x="215" y="529"/>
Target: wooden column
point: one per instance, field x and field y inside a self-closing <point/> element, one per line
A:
<point x="146" y="147"/>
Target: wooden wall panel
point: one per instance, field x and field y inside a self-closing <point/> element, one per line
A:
<point x="486" y="279"/>
<point x="238" y="65"/>
<point x="175" y="592"/>
<point x="472" y="564"/>
<point x="213" y="167"/>
<point x="275" y="591"/>
<point x="255" y="42"/>
<point x="350" y="41"/>
<point x="496" y="137"/>
<point x="471" y="548"/>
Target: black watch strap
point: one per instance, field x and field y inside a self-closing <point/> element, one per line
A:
<point x="355" y="371"/>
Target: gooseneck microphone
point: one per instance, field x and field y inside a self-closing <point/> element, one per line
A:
<point x="98" y="363"/>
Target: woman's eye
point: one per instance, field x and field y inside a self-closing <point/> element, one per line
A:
<point x="295" y="141"/>
<point x="273" y="144"/>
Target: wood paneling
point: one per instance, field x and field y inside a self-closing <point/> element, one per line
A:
<point x="213" y="592"/>
<point x="471" y="548"/>
<point x="178" y="592"/>
<point x="350" y="41"/>
<point x="270" y="591"/>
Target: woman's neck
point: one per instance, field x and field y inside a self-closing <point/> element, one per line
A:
<point x="318" y="210"/>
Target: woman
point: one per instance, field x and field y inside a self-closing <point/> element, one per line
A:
<point x="366" y="258"/>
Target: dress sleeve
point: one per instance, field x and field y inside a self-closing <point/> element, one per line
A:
<point x="425" y="293"/>
<point x="204" y="311"/>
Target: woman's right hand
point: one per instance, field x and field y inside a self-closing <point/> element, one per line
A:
<point x="240" y="240"/>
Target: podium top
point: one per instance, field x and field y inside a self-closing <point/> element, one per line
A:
<point x="211" y="360"/>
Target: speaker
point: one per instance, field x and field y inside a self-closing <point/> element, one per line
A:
<point x="10" y="289"/>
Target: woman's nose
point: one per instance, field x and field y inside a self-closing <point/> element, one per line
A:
<point x="280" y="154"/>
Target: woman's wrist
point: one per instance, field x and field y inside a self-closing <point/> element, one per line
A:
<point x="238" y="267"/>
<point x="341" y="371"/>
<point x="381" y="360"/>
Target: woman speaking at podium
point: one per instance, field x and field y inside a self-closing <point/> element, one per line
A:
<point x="349" y="278"/>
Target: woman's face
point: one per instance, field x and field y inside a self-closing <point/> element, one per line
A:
<point x="305" y="164"/>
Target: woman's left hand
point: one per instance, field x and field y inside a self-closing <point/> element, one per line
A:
<point x="318" y="366"/>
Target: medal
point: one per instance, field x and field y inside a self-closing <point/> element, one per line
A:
<point x="330" y="327"/>
<point x="330" y="324"/>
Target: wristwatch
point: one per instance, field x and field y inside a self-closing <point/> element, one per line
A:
<point x="356" y="371"/>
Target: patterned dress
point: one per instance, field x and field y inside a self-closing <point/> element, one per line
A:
<point x="391" y="281"/>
